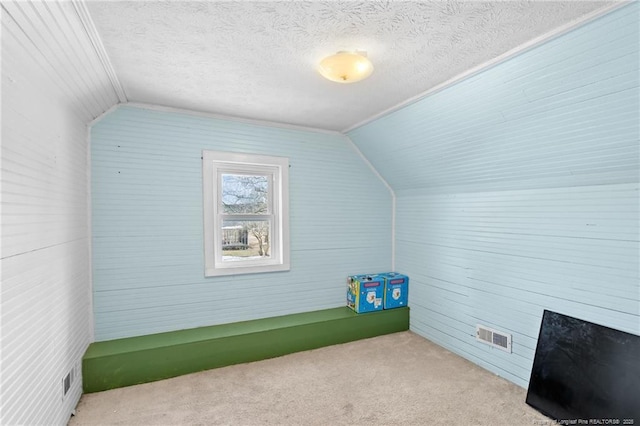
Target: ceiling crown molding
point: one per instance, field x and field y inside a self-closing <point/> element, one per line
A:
<point x="92" y="33"/>
<point x="495" y="61"/>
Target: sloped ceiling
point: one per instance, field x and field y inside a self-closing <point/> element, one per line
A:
<point x="258" y="60"/>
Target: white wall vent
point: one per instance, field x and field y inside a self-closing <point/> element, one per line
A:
<point x="492" y="337"/>
<point x="67" y="381"/>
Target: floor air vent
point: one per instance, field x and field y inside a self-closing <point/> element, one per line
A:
<point x="495" y="338"/>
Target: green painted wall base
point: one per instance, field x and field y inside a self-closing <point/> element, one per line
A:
<point x="123" y="362"/>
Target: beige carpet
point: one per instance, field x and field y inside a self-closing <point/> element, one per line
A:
<point x="398" y="379"/>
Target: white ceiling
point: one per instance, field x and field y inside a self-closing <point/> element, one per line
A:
<point x="258" y="60"/>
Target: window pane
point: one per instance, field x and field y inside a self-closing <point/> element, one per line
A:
<point x="245" y="194"/>
<point x="246" y="240"/>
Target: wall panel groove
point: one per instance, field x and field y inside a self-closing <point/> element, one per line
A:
<point x="147" y="223"/>
<point x="517" y="191"/>
<point x="51" y="89"/>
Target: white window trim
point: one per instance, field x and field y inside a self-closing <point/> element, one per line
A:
<point x="213" y="164"/>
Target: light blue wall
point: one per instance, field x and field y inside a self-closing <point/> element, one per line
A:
<point x="517" y="191"/>
<point x="148" y="272"/>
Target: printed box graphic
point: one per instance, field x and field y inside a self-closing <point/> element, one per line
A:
<point x="365" y="293"/>
<point x="396" y="290"/>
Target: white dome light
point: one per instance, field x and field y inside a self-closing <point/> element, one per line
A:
<point x="346" y="67"/>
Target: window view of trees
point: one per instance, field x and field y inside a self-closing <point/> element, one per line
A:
<point x="246" y="213"/>
<point x="246" y="228"/>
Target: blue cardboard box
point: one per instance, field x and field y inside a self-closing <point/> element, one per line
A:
<point x="396" y="290"/>
<point x="365" y="293"/>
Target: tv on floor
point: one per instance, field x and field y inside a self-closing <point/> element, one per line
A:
<point x="585" y="373"/>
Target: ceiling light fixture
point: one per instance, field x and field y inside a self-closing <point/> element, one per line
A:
<point x="346" y="67"/>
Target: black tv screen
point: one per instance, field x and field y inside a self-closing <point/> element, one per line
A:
<point x="584" y="373"/>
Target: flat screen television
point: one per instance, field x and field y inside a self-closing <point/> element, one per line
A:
<point x="585" y="373"/>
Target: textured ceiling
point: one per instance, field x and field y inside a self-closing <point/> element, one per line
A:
<point x="258" y="60"/>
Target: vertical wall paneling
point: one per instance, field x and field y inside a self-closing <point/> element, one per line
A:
<point x="53" y="84"/>
<point x="517" y="191"/>
<point x="148" y="271"/>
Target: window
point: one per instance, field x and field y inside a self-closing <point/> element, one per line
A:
<point x="246" y="213"/>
